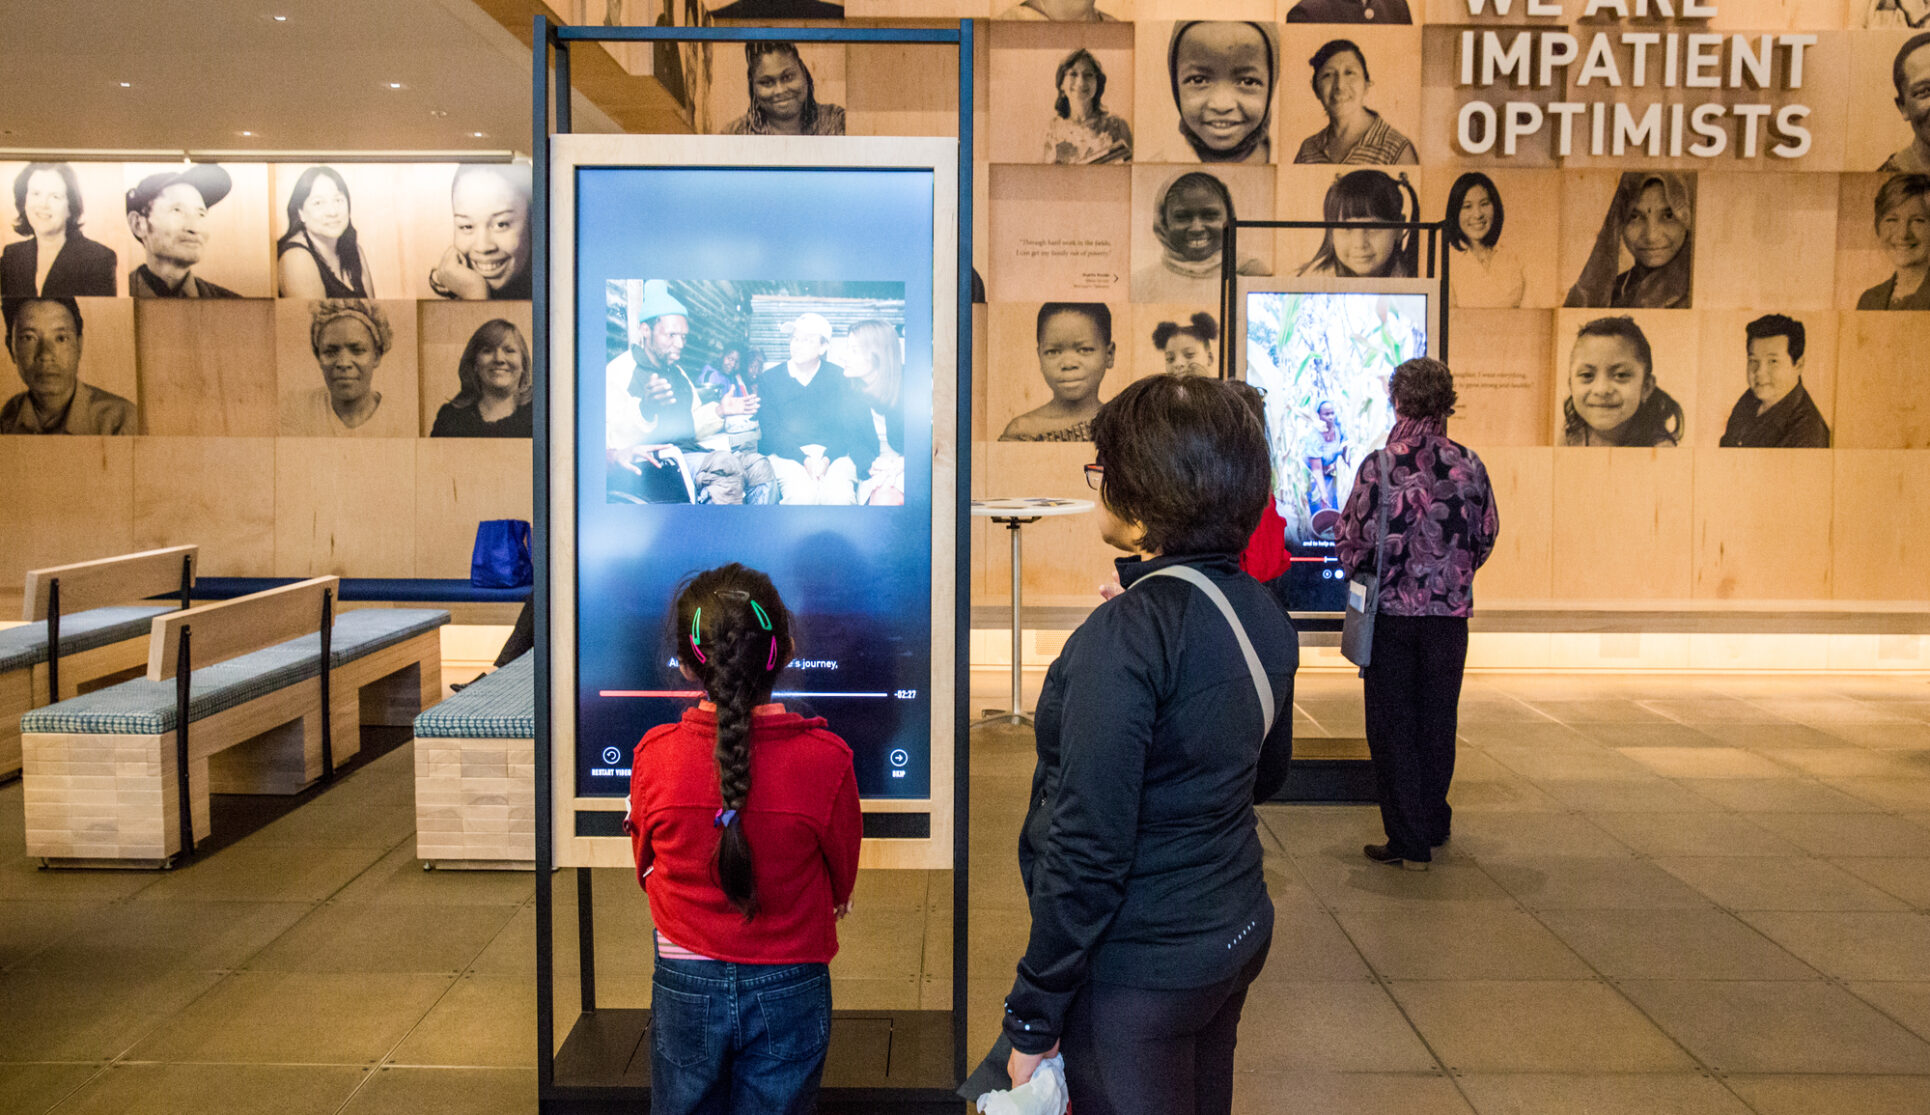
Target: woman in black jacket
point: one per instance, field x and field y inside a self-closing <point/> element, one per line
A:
<point x="1150" y="916"/>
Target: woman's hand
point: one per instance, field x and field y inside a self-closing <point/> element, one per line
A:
<point x="1021" y="1066"/>
<point x="1111" y="588"/>
<point x="841" y="912"/>
<point x="452" y="274"/>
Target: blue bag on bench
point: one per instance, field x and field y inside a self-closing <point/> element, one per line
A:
<point x="502" y="558"/>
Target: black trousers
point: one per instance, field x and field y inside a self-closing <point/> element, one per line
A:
<point x="1131" y="1051"/>
<point x="1413" y="692"/>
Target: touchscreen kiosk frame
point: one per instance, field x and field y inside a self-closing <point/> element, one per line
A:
<point x="902" y="832"/>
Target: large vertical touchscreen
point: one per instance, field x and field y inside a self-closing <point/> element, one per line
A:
<point x="1323" y="359"/>
<point x="754" y="384"/>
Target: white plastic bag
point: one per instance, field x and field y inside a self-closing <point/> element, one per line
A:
<point x="1044" y="1094"/>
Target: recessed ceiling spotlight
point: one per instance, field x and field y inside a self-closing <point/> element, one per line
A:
<point x="395" y="85"/>
<point x="439" y="113"/>
<point x="127" y="85"/>
<point x="250" y="134"/>
<point x="476" y="135"/>
<point x="279" y="18"/>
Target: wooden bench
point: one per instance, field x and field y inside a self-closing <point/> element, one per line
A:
<point x="86" y="625"/>
<point x="237" y="699"/>
<point x="475" y="773"/>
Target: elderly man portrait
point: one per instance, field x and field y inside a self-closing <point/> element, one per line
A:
<point x="44" y="339"/>
<point x="816" y="428"/>
<point x="1910" y="73"/>
<point x="168" y="215"/>
<point x="1776" y="411"/>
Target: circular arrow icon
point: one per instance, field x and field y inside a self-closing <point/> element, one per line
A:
<point x="899" y="758"/>
<point x="612" y="756"/>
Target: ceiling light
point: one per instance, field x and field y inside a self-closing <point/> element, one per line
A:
<point x="395" y="85"/>
<point x="279" y="18"/>
<point x="245" y="133"/>
<point x="127" y="85"/>
<point x="475" y="135"/>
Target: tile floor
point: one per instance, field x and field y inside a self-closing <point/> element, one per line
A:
<point x="1693" y="896"/>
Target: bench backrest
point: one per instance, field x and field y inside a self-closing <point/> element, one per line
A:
<point x="231" y="628"/>
<point x="115" y="580"/>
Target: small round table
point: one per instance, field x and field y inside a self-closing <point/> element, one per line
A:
<point x="1015" y="513"/>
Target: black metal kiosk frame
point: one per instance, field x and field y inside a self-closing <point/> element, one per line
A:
<point x="604" y="1061"/>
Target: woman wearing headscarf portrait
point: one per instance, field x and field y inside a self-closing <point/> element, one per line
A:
<point x="1222" y="76"/>
<point x="784" y="98"/>
<point x="1190" y="215"/>
<point x="348" y="337"/>
<point x="1651" y="221"/>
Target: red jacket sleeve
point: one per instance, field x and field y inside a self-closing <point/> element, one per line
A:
<point x="636" y="820"/>
<point x="842" y="837"/>
<point x="1266" y="552"/>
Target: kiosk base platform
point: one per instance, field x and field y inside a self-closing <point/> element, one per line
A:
<point x="1329" y="771"/>
<point x="880" y="1061"/>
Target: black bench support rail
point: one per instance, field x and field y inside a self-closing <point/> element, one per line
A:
<point x="53" y="640"/>
<point x="328" y="733"/>
<point x="183" y="671"/>
<point x="187" y="581"/>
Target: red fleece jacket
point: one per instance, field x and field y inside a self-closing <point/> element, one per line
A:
<point x="802" y="818"/>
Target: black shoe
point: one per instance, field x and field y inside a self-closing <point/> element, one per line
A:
<point x="1441" y="843"/>
<point x="1386" y="856"/>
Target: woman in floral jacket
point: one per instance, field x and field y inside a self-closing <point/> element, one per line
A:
<point x="1441" y="525"/>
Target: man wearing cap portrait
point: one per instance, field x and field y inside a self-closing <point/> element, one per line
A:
<point x="168" y="215"/>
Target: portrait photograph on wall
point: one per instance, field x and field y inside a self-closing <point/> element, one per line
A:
<point x="1205" y="91"/>
<point x="466" y="231"/>
<point x="1181" y="338"/>
<point x="1064" y="11"/>
<point x="755" y="392"/>
<point x="70" y="367"/>
<point x="475" y="365"/>
<point x="1056" y="362"/>
<point x="1502" y="233"/>
<point x="777" y="88"/>
<point x="1179" y="218"/>
<point x="1343" y="196"/>
<point x="346" y="367"/>
<point x="1629" y="239"/>
<point x="1883" y="242"/>
<point x="1059" y="232"/>
<point x="1767" y="379"/>
<point x="64" y="229"/>
<point x="1624" y="379"/>
<point x="1362" y="87"/>
<point x="1890" y="98"/>
<point x="199" y="230"/>
<point x="338" y="231"/>
<point x="1061" y="93"/>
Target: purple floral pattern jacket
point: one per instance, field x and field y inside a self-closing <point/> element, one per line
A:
<point x="1440" y="527"/>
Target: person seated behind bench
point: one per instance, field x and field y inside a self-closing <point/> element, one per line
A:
<point x="44" y="340"/>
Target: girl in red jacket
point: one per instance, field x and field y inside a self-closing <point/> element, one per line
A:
<point x="745" y="886"/>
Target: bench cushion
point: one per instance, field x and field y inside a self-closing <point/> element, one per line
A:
<point x="499" y="705"/>
<point x="26" y="645"/>
<point x="146" y="708"/>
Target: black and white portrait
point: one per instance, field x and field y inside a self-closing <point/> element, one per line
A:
<point x="1209" y="97"/>
<point x="777" y="9"/>
<point x="780" y="94"/>
<point x="346" y="368"/>
<point x="1074" y="347"/>
<point x="55" y="256"/>
<point x="1179" y="221"/>
<point x="476" y="378"/>
<point x="1775" y="411"/>
<point x="1355" y="134"/>
<point x="321" y="254"/>
<point x="488" y="252"/>
<point x="1910" y="75"/>
<point x="1613" y="397"/>
<point x="1081" y="130"/>
<point x="755" y="392"/>
<point x="1381" y="12"/>
<point x="1189" y="347"/>
<point x="46" y="345"/>
<point x="1061" y="94"/>
<point x="1364" y="197"/>
<point x="1485" y="272"/>
<point x="1902" y="225"/>
<point x="1056" y="11"/>
<point x="1643" y="255"/>
<point x="199" y="231"/>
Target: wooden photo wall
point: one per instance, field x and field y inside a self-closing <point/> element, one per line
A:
<point x="292" y="405"/>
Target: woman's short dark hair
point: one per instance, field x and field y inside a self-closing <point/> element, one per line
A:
<point x="489" y="335"/>
<point x="1422" y="388"/>
<point x="1458" y="195"/>
<point x="74" y="206"/>
<point x="753" y="51"/>
<point x="1896" y="190"/>
<point x="1064" y="107"/>
<point x="1096" y="312"/>
<point x="1326" y="53"/>
<point x="1185" y="458"/>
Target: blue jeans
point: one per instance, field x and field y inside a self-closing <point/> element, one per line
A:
<point x="737" y="1039"/>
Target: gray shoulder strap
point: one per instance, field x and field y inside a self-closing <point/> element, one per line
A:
<point x="1261" y="685"/>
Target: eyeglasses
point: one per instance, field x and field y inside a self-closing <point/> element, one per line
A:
<point x="1095" y="476"/>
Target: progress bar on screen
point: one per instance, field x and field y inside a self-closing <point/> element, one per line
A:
<point x="692" y="694"/>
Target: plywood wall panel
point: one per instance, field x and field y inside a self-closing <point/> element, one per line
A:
<point x="302" y="387"/>
<point x="345" y="507"/>
<point x="1883" y="395"/>
<point x="1723" y="374"/>
<point x="1766" y="241"/>
<point x="1065" y="560"/>
<point x="902" y="91"/>
<point x="1759" y="517"/>
<point x="235" y="243"/>
<point x="71" y="499"/>
<point x="1024" y="64"/>
<point x="1520" y="569"/>
<point x="1622" y="525"/>
<point x="444" y="332"/>
<point x="1059" y="232"/>
<point x="1503" y="372"/>
<point x="459" y="483"/>
<point x="207" y="367"/>
<point x="215" y="492"/>
<point x="1880" y="534"/>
